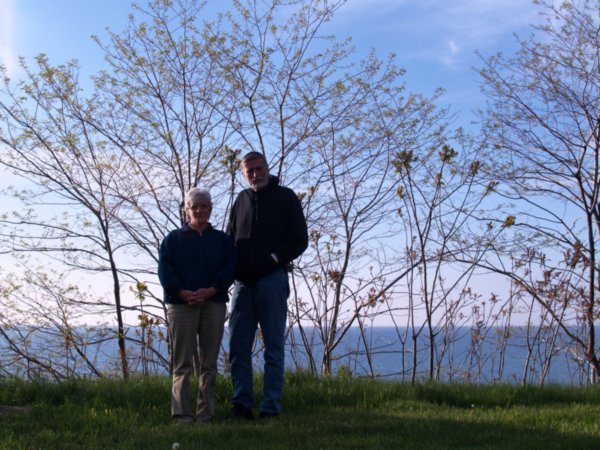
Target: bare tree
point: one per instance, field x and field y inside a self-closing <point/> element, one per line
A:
<point x="441" y="193"/>
<point x="543" y="125"/>
<point x="106" y="169"/>
<point x="106" y="174"/>
<point x="67" y="213"/>
<point x="38" y="327"/>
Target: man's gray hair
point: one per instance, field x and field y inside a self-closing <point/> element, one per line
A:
<point x="251" y="156"/>
<point x="197" y="195"/>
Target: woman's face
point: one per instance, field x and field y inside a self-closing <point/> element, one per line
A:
<point x="198" y="213"/>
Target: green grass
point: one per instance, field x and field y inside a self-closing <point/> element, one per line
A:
<point x="337" y="413"/>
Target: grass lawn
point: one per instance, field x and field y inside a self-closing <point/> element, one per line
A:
<point x="336" y="413"/>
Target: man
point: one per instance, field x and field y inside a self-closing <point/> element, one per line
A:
<point x="269" y="230"/>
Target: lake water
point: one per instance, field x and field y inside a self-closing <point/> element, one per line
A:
<point x="460" y="356"/>
<point x="468" y="356"/>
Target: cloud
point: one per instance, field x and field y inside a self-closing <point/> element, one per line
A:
<point x="450" y="57"/>
<point x="446" y="31"/>
<point x="454" y="49"/>
<point x="7" y="19"/>
<point x="361" y="6"/>
<point x="486" y="20"/>
<point x="482" y="25"/>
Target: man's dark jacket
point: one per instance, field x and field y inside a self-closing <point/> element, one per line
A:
<point x="269" y="221"/>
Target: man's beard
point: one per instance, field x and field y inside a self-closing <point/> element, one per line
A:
<point x="257" y="185"/>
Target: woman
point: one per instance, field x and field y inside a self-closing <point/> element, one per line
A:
<point x="196" y="267"/>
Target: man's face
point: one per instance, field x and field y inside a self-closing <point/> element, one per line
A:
<point x="256" y="173"/>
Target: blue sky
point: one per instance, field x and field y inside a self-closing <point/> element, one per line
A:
<point x="434" y="40"/>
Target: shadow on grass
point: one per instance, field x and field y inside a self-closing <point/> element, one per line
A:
<point x="503" y="395"/>
<point x="328" y="428"/>
<point x="359" y="430"/>
<point x="410" y="432"/>
<point x="318" y="414"/>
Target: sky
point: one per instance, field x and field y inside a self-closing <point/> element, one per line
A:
<point x="434" y="40"/>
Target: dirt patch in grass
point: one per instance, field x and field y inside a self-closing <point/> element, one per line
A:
<point x="6" y="410"/>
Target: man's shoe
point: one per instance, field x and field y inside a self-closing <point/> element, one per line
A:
<point x="267" y="415"/>
<point x="239" y="412"/>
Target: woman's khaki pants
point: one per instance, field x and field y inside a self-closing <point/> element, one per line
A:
<point x="190" y="327"/>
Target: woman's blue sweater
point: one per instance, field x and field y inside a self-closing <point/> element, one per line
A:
<point x="191" y="260"/>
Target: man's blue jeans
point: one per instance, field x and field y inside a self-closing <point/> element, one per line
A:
<point x="265" y="304"/>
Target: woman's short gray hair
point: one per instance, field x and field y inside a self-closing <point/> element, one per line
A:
<point x="197" y="195"/>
